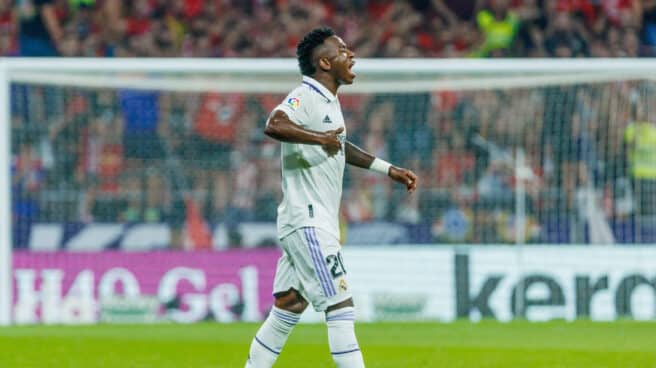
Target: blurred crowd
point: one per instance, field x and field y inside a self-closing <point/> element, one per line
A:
<point x="85" y="155"/>
<point x="164" y="157"/>
<point x="374" y="28"/>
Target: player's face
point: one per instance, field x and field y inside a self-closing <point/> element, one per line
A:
<point x="341" y="60"/>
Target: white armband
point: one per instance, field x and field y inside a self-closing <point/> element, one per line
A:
<point x="380" y="166"/>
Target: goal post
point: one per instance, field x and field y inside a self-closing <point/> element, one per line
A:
<point x="523" y="85"/>
<point x="5" y="199"/>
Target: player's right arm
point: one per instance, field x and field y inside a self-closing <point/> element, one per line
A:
<point x="281" y="128"/>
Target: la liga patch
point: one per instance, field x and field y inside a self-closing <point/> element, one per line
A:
<point x="294" y="102"/>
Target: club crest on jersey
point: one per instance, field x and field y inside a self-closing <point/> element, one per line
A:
<point x="327" y="120"/>
<point x="342" y="285"/>
<point x="294" y="102"/>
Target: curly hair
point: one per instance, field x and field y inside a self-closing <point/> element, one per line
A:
<point x="307" y="46"/>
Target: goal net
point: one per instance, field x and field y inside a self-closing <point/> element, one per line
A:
<point x="170" y="154"/>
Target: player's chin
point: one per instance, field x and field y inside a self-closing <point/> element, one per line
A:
<point x="349" y="78"/>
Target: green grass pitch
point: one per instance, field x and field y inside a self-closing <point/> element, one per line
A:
<point x="399" y="345"/>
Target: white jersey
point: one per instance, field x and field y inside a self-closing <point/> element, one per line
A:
<point x="311" y="180"/>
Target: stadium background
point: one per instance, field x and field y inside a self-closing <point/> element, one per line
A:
<point x="187" y="180"/>
<point x="73" y="177"/>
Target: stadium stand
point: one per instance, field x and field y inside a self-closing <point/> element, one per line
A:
<point x="109" y="146"/>
<point x="375" y="28"/>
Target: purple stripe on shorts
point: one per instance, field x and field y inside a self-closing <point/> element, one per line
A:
<point x="316" y="260"/>
<point x="322" y="264"/>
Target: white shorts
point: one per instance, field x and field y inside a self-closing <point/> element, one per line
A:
<point x="312" y="264"/>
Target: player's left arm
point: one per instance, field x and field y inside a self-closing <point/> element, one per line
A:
<point x="356" y="156"/>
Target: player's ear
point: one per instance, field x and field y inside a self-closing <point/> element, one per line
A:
<point x="324" y="64"/>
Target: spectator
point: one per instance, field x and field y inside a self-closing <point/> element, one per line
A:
<point x="565" y="32"/>
<point x="453" y="164"/>
<point x="27" y="178"/>
<point x="631" y="44"/>
<point x="244" y="173"/>
<point x="268" y="190"/>
<point x="141" y="141"/>
<point x="177" y="114"/>
<point x="132" y="191"/>
<point x="358" y="206"/>
<point x="649" y="22"/>
<point x="579" y="160"/>
<point x="453" y="11"/>
<point x="499" y="26"/>
<point x="454" y="225"/>
<point x="8" y="29"/>
<point x="214" y="134"/>
<point x="40" y="30"/>
<point x="157" y="198"/>
<point x="99" y="168"/>
<point x="559" y="108"/>
<point x="407" y="210"/>
<point x="375" y="142"/>
<point x="640" y="140"/>
<point x="613" y="42"/>
<point x="625" y="13"/>
<point x="495" y="181"/>
<point x="64" y="132"/>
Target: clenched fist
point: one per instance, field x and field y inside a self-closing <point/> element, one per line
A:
<point x="331" y="143"/>
<point x="404" y="176"/>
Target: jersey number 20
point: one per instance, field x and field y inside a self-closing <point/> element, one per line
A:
<point x="336" y="265"/>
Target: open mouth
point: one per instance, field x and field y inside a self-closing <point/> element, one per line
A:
<point x="350" y="66"/>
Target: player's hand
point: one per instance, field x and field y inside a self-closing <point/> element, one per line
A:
<point x="404" y="176"/>
<point x="331" y="143"/>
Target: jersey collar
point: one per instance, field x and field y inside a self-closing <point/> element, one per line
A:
<point x="319" y="88"/>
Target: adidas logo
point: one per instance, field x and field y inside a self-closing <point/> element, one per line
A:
<point x="327" y="120"/>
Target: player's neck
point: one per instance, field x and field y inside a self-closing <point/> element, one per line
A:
<point x="327" y="81"/>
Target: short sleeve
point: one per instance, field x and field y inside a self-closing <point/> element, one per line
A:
<point x="295" y="105"/>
